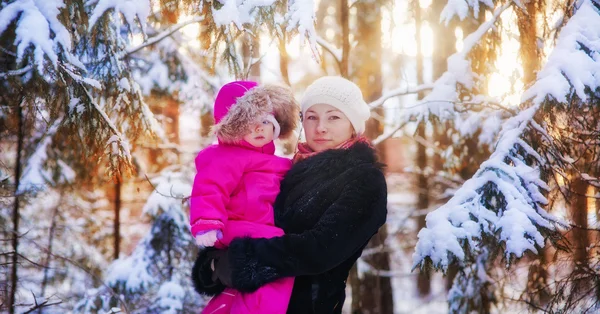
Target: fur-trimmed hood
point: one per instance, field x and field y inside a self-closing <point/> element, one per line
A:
<point x="251" y="104"/>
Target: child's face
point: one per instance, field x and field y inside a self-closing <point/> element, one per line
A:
<point x="260" y="134"/>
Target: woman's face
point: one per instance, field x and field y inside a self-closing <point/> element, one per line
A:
<point x="326" y="127"/>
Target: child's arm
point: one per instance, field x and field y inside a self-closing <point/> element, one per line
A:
<point x="216" y="178"/>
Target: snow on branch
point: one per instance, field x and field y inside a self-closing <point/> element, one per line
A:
<point x="301" y="16"/>
<point x="440" y="101"/>
<point x="575" y="61"/>
<point x="37" y="26"/>
<point x="335" y="52"/>
<point x="231" y="13"/>
<point x="35" y="177"/>
<point x="120" y="144"/>
<point x="505" y="197"/>
<point x="164" y="34"/>
<point x="129" y="9"/>
<point x="399" y="92"/>
<point x="461" y="9"/>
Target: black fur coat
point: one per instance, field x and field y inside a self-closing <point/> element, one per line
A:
<point x="329" y="206"/>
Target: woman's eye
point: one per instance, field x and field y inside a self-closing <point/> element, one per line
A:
<point x="311" y="118"/>
<point x="334" y="118"/>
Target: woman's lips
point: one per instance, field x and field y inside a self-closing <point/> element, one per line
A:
<point x="321" y="140"/>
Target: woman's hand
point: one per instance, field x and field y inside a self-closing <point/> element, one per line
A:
<point x="222" y="269"/>
<point x="202" y="274"/>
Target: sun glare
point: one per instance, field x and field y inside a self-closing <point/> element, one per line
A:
<point x="190" y="32"/>
<point x="506" y="83"/>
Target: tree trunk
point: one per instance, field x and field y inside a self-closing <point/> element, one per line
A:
<point x="206" y="116"/>
<point x="16" y="215"/>
<point x="345" y="24"/>
<point x="49" y="253"/>
<point x="529" y="49"/>
<point x="423" y="280"/>
<point x="579" y="214"/>
<point x="284" y="59"/>
<point x="375" y="293"/>
<point x="117" y="222"/>
<point x="321" y="28"/>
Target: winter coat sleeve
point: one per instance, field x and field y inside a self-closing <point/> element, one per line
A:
<point x="216" y="178"/>
<point x="344" y="228"/>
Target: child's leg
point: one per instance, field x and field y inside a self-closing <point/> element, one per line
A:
<point x="272" y="298"/>
<point x="221" y="304"/>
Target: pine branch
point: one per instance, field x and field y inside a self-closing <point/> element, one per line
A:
<point x="17" y="72"/>
<point x="107" y="120"/>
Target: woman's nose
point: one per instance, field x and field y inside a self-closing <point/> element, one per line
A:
<point x="321" y="128"/>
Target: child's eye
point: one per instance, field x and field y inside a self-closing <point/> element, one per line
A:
<point x="265" y="122"/>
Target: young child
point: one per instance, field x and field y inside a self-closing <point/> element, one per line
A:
<point x="238" y="180"/>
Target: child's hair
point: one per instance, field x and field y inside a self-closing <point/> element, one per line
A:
<point x="256" y="103"/>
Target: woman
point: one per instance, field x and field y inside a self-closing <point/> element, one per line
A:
<point x="332" y="201"/>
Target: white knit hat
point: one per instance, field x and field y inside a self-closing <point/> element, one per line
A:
<point x="341" y="94"/>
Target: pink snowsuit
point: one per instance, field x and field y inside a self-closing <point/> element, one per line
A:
<point x="234" y="191"/>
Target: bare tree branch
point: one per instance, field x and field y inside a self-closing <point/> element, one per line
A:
<point x="162" y="35"/>
<point x="399" y="92"/>
<point x="335" y="52"/>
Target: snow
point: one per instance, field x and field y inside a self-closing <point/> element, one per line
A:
<point x="157" y="76"/>
<point x="129" y="9"/>
<point x="35" y="176"/>
<point x="301" y="17"/>
<point x="167" y="196"/>
<point x="131" y="272"/>
<point x="238" y="12"/>
<point x="466" y="219"/>
<point x="124" y="84"/>
<point x="38" y="19"/>
<point x="170" y="297"/>
<point x="461" y="8"/>
<point x="570" y="68"/>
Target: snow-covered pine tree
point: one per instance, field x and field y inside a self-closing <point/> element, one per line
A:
<point x="155" y="277"/>
<point x="499" y="213"/>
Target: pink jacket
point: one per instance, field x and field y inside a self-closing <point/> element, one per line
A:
<point x="235" y="183"/>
